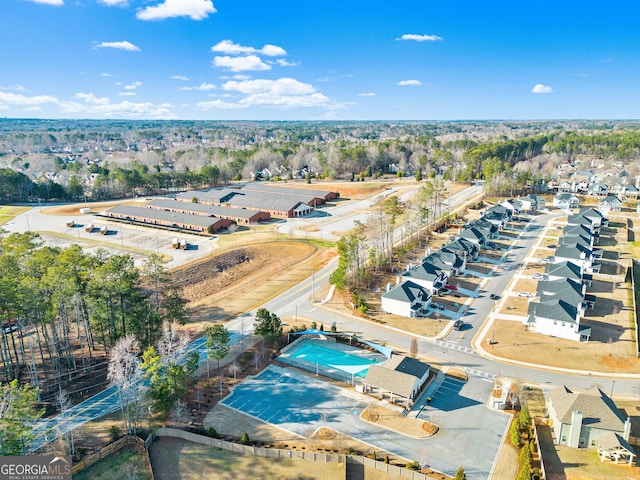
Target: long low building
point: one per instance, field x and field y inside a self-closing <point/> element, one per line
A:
<point x="163" y="218"/>
<point x="238" y="215"/>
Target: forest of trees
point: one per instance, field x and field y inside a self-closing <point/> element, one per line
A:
<point x="72" y="160"/>
<point x="63" y="310"/>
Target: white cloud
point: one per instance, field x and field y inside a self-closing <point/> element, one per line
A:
<point x="283" y="93"/>
<point x="124" y="45"/>
<point x="32" y="109"/>
<point x="230" y="48"/>
<point x="17" y="88"/>
<point x="220" y="104"/>
<point x="133" y="86"/>
<point x="122" y="109"/>
<point x="584" y="75"/>
<point x="282" y="86"/>
<point x="91" y="98"/>
<point x="419" y="38"/>
<point x="18" y="99"/>
<point x="114" y="3"/>
<point x="55" y="3"/>
<point x="105" y="74"/>
<point x="367" y="94"/>
<point x="241" y="64"/>
<point x="540" y="88"/>
<point x="194" y="9"/>
<point x="179" y="77"/>
<point x="283" y="63"/>
<point x="203" y="87"/>
<point x="324" y="79"/>
<point x="127" y="94"/>
<point x="240" y="76"/>
<point x="409" y="83"/>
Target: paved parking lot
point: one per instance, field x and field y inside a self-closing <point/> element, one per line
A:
<point x="470" y="434"/>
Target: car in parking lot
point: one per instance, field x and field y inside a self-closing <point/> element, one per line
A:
<point x="551" y="246"/>
<point x="526" y="294"/>
<point x="538" y="276"/>
<point x="458" y="325"/>
<point x="451" y="287"/>
<point x="493" y="296"/>
<point x="439" y="306"/>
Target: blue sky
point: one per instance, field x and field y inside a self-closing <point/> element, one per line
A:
<point x="311" y="60"/>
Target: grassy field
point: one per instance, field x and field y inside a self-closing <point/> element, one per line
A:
<point x="8" y="213"/>
<point x="174" y="458"/>
<point x="125" y="463"/>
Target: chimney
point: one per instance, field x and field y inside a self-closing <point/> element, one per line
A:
<point x="398" y="280"/>
<point x="576" y="428"/>
<point x="388" y="286"/>
<point x="627" y="429"/>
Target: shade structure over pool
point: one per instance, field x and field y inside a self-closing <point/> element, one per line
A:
<point x="386" y="351"/>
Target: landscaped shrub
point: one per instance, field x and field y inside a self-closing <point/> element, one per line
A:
<point x="211" y="432"/>
<point x="115" y="432"/>
<point x="244" y="439"/>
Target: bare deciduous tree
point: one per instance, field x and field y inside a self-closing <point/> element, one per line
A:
<point x="63" y="402"/>
<point x="234" y="369"/>
<point x="180" y="413"/>
<point x="123" y="373"/>
<point x="172" y="343"/>
<point x="413" y="348"/>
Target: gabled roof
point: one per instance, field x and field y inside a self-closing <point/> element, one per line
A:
<point x="590" y="212"/>
<point x="583" y="240"/>
<point x="473" y="234"/>
<point x="555" y="309"/>
<point x="573" y="251"/>
<point x="399" y="383"/>
<point x="482" y="224"/>
<point x="407" y="291"/>
<point x="568" y="289"/>
<point x="424" y="271"/>
<point x="575" y="230"/>
<point x="566" y="197"/>
<point x="598" y="410"/>
<point x="407" y="365"/>
<point x="564" y="269"/>
<point x="443" y="260"/>
<point x="611" y="199"/>
<point x="462" y="245"/>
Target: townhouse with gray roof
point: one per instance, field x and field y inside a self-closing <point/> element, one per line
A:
<point x="566" y="201"/>
<point x="407" y="299"/>
<point x="584" y="419"/>
<point x="610" y="204"/>
<point x="426" y="275"/>
<point x="558" y="318"/>
<point x="567" y="269"/>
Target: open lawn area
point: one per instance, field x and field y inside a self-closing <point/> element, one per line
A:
<point x="8" y="213"/>
<point x="125" y="463"/>
<point x="173" y="458"/>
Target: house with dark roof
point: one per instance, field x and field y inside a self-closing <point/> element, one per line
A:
<point x="557" y="318"/>
<point x="567" y="269"/>
<point x="406" y="299"/>
<point x="594" y="215"/>
<point x="426" y="275"/>
<point x="580" y="230"/>
<point x="400" y="379"/>
<point x="566" y="201"/>
<point x="583" y="419"/>
<point x="511" y="204"/>
<point x="448" y="262"/>
<point x="579" y="254"/>
<point x="491" y="227"/>
<point x="610" y="203"/>
<point x="533" y="202"/>
<point x="570" y="290"/>
<point x="465" y="247"/>
<point x="479" y="237"/>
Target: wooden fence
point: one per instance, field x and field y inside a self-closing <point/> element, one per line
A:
<point x="282" y="453"/>
<point x="132" y="440"/>
<point x="543" y="473"/>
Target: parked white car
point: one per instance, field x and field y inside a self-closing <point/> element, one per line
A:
<point x="526" y="294"/>
<point x="538" y="276"/>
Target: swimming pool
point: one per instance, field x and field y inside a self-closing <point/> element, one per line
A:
<point x="316" y="355"/>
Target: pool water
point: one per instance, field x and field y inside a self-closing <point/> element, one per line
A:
<point x="314" y="353"/>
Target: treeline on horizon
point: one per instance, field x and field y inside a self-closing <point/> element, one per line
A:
<point x="215" y="153"/>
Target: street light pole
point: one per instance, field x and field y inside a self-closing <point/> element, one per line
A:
<point x="313" y="285"/>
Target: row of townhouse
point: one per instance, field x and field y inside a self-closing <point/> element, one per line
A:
<point x="607" y="204"/>
<point x="413" y="292"/>
<point x="562" y="297"/>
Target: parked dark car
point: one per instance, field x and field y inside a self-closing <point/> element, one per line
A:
<point x="493" y="296"/>
<point x="458" y="325"/>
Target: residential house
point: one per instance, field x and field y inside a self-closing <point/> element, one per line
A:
<point x="582" y="419"/>
<point x="579" y="254"/>
<point x="567" y="269"/>
<point x="462" y="246"/>
<point x="475" y="235"/>
<point x="449" y="262"/>
<point x="610" y="203"/>
<point x="533" y="202"/>
<point x="426" y="275"/>
<point x="581" y="231"/>
<point x="406" y="299"/>
<point x="570" y="290"/>
<point x="482" y="224"/>
<point x="566" y="201"/>
<point x="514" y="205"/>
<point x="557" y="318"/>
<point x="598" y="190"/>
<point x="500" y="219"/>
